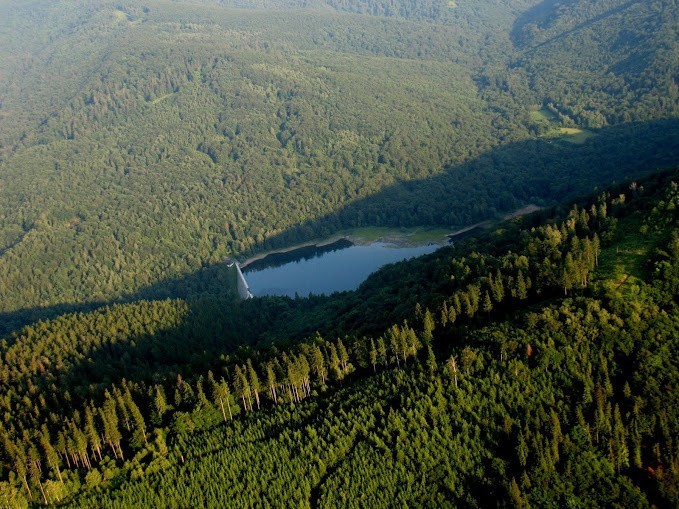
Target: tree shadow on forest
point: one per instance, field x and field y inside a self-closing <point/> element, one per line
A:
<point x="541" y="16"/>
<point x="541" y="171"/>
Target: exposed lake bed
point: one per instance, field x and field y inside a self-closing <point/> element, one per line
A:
<point x="339" y="263"/>
<point x="398" y="237"/>
<point x="343" y="261"/>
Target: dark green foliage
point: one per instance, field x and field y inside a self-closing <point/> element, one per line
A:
<point x="561" y="402"/>
<point x="172" y="135"/>
<point x="533" y="365"/>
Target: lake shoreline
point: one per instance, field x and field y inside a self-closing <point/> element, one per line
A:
<point x="311" y="243"/>
<point x="392" y="236"/>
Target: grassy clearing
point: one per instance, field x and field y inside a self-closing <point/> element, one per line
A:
<point x="574" y="135"/>
<point x="528" y="209"/>
<point x="543" y="115"/>
<point x="625" y="263"/>
<point x="401" y="236"/>
<point x="416" y="236"/>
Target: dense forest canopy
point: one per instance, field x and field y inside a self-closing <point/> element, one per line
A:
<point x="144" y="142"/>
<point x="534" y="365"/>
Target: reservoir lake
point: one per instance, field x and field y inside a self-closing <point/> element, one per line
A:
<point x="317" y="270"/>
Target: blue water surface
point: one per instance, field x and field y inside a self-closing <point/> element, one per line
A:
<point x="335" y="271"/>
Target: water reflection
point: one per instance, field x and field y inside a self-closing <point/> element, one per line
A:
<point x="333" y="268"/>
<point x="303" y="253"/>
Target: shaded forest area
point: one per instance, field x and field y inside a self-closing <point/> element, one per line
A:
<point x="173" y="135"/>
<point x="142" y="143"/>
<point x="539" y="357"/>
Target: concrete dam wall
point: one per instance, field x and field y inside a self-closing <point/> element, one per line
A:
<point x="243" y="288"/>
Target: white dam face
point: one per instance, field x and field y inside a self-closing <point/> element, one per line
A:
<point x="243" y="288"/>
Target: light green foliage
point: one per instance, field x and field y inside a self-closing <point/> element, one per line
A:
<point x="526" y="396"/>
<point x="170" y="136"/>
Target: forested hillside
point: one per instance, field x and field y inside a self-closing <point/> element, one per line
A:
<point x="533" y="366"/>
<point x="144" y="142"/>
<point x="631" y="46"/>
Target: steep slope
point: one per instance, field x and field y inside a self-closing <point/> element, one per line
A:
<point x="631" y="47"/>
<point x="186" y="133"/>
<point x="144" y="142"/>
<point x="540" y="372"/>
<point x="440" y="11"/>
